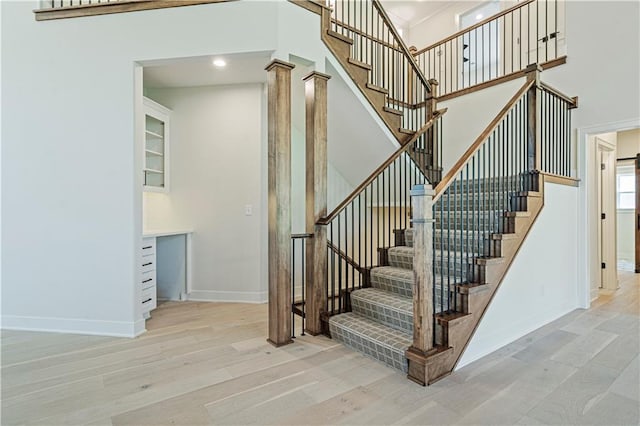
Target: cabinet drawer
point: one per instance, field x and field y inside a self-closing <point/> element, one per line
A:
<point x="149" y="300"/>
<point x="148" y="246"/>
<point x="148" y="280"/>
<point x="148" y="264"/>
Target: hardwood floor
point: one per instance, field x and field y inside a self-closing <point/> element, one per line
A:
<point x="205" y="363"/>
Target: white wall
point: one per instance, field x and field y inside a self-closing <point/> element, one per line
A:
<point x="628" y="143"/>
<point x="467" y="116"/>
<point x="71" y="187"/>
<point x="68" y="101"/>
<point x="217" y="146"/>
<point x="541" y="284"/>
<point x="440" y="25"/>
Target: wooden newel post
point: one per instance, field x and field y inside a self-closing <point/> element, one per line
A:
<point x="534" y="155"/>
<point x="422" y="208"/>
<point x="279" y="204"/>
<point x="316" y="199"/>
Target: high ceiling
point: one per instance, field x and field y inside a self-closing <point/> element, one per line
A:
<point x="407" y="13"/>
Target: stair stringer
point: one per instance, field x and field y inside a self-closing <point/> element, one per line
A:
<point x="457" y="329"/>
<point x="340" y="47"/>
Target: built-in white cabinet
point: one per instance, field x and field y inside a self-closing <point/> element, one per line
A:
<point x="148" y="277"/>
<point x="165" y="267"/>
<point x="156" y="146"/>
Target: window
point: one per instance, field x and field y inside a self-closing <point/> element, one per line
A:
<point x="625" y="188"/>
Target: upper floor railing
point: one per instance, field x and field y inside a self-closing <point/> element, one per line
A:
<point x="499" y="47"/>
<point x="60" y="9"/>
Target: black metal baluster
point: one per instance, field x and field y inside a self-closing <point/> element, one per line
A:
<point x="546" y="30"/>
<point x="333" y="274"/>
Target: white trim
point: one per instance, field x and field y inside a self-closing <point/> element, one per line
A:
<point x="228" y="296"/>
<point x="583" y="273"/>
<point x="74" y="326"/>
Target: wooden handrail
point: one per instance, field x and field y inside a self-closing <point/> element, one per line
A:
<point x="93" y="9"/>
<point x="352" y="29"/>
<point x="407" y="52"/>
<point x="571" y="101"/>
<point x="296" y="236"/>
<point x="327" y="219"/>
<point x="474" y="26"/>
<point x="344" y="256"/>
<point x="477" y="144"/>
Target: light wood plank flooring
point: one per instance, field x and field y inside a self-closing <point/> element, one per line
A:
<point x="204" y="363"/>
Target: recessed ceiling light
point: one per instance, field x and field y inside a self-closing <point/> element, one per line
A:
<point x="479" y="16"/>
<point x="220" y="63"/>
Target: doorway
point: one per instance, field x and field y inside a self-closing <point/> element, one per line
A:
<point x="204" y="223"/>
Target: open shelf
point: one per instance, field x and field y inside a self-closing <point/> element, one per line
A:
<point x="154" y="171"/>
<point x="156" y="147"/>
<point x="153" y="134"/>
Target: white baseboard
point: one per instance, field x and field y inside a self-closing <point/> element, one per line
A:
<point x="74" y="326"/>
<point x="228" y="296"/>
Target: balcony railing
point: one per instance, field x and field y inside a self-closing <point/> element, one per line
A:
<point x="61" y="9"/>
<point x="497" y="48"/>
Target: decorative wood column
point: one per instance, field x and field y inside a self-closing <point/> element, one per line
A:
<point x="422" y="206"/>
<point x="316" y="199"/>
<point x="534" y="149"/>
<point x="279" y="205"/>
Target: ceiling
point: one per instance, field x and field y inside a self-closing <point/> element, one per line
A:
<point x="407" y="13"/>
<point x="241" y="68"/>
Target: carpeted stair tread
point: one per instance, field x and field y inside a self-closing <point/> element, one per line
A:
<point x="388" y="308"/>
<point x="392" y="279"/>
<point x="402" y="256"/>
<point x="371" y="338"/>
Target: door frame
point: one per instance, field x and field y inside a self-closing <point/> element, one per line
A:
<point x="636" y="221"/>
<point x="607" y="235"/>
<point x="587" y="225"/>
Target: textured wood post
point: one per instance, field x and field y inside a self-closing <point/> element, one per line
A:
<point x="316" y="199"/>
<point x="533" y="131"/>
<point x="279" y="205"/>
<point x="422" y="205"/>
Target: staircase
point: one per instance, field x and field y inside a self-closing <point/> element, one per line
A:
<point x="381" y="322"/>
<point x="361" y="37"/>
<point x="421" y="321"/>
